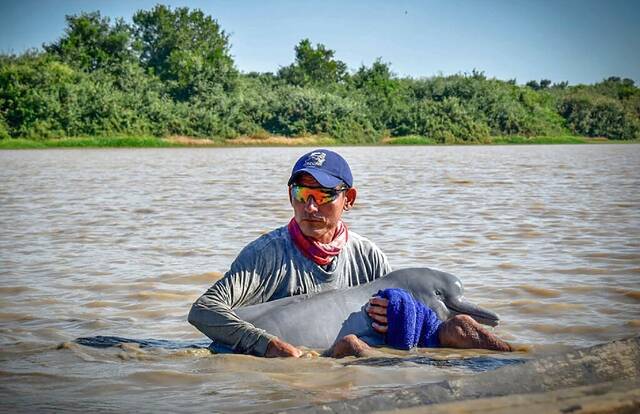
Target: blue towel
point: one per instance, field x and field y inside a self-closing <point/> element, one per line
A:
<point x="410" y="322"/>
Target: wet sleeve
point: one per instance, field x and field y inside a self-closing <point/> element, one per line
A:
<point x="213" y="315"/>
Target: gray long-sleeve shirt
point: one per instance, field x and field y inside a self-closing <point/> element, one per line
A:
<point x="271" y="268"/>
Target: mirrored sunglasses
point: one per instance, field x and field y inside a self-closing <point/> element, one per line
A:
<point x="320" y="195"/>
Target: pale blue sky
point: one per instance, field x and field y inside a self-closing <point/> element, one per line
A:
<point x="581" y="41"/>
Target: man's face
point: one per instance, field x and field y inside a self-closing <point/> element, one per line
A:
<point x="320" y="221"/>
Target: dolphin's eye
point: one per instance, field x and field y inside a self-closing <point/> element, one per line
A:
<point x="437" y="292"/>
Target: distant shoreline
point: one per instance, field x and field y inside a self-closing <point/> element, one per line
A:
<point x="276" y="141"/>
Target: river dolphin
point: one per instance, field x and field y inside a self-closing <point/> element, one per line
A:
<point x="318" y="320"/>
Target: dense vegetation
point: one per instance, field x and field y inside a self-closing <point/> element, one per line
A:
<point x="170" y="72"/>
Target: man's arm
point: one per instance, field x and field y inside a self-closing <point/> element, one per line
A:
<point x="213" y="315"/>
<point x="216" y="319"/>
<point x="244" y="284"/>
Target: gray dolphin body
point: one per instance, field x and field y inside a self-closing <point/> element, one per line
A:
<point x="318" y="320"/>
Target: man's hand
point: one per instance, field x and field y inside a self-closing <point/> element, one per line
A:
<point x="280" y="348"/>
<point x="377" y="310"/>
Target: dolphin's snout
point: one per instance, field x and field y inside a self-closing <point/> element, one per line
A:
<point x="481" y="315"/>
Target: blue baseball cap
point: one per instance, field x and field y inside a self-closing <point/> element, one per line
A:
<point x="327" y="167"/>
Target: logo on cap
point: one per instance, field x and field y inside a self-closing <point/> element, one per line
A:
<point x="315" y="159"/>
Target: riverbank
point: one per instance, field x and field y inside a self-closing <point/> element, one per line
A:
<point x="273" y="141"/>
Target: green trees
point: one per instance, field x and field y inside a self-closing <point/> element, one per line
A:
<point x="171" y="73"/>
<point x="90" y="43"/>
<point x="313" y="66"/>
<point x="544" y="84"/>
<point x="598" y="116"/>
<point x="302" y="111"/>
<point x="610" y="108"/>
<point x="446" y="121"/>
<point x="33" y="94"/>
<point x="384" y="96"/>
<point x="185" y="49"/>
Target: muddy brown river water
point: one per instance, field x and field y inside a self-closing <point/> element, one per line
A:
<point x="122" y="241"/>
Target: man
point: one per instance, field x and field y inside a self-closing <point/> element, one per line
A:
<point x="315" y="251"/>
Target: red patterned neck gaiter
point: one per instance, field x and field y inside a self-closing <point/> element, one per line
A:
<point x="320" y="253"/>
